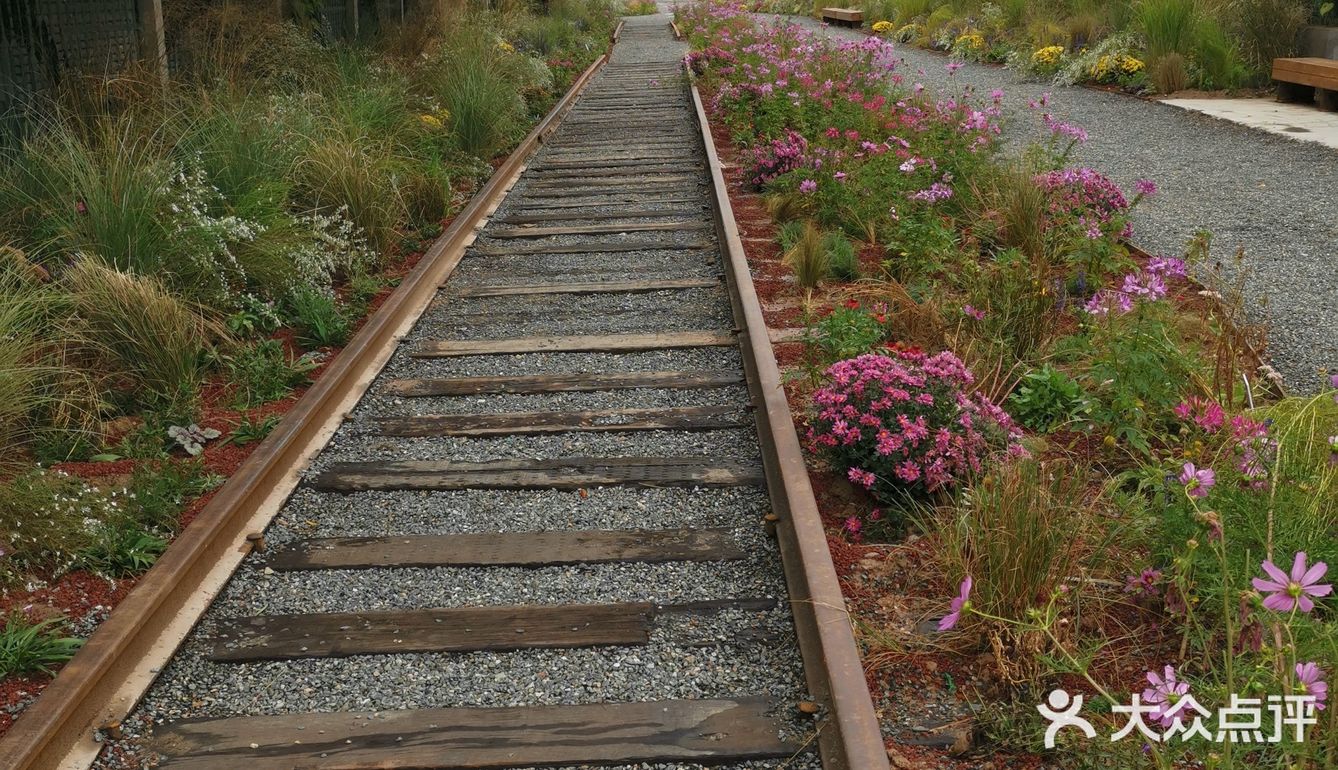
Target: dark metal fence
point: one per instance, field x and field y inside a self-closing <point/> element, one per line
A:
<point x="44" y="41"/>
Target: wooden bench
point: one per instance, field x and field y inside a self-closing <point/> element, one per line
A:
<point x="1307" y="78"/>
<point x="843" y="17"/>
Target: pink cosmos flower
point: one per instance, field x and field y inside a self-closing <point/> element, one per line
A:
<point x="1288" y="593"/>
<point x="959" y="603"/>
<point x="1165" y="692"/>
<point x="952" y="66"/>
<point x="1198" y="480"/>
<point x="1310" y="680"/>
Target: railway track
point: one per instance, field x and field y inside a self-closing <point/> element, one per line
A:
<point x="563" y="523"/>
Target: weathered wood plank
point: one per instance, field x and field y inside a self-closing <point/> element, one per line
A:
<point x="688" y="418"/>
<point x="457" y="629"/>
<point x="559" y="205"/>
<point x="594" y="343"/>
<point x="561" y="473"/>
<point x="560" y="383"/>
<point x="592" y="287"/>
<point x="589" y="247"/>
<point x="623" y="214"/>
<point x="674" y="731"/>
<point x="629" y="227"/>
<point x="516" y="549"/>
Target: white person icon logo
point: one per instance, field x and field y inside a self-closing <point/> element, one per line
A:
<point x="1062" y="711"/>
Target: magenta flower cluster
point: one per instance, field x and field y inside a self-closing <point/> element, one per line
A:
<point x="777" y="157"/>
<point x="1087" y="198"/>
<point x="1255" y="450"/>
<point x="907" y="422"/>
<point x="1203" y="412"/>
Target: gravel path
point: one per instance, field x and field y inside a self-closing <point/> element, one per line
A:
<point x="1272" y="196"/>
<point x="740" y="651"/>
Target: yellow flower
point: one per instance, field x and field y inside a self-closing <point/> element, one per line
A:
<point x="1048" y="56"/>
<point x="971" y="41"/>
<point x="502" y="45"/>
<point x="882" y="27"/>
<point x="431" y="121"/>
<point x="1131" y="65"/>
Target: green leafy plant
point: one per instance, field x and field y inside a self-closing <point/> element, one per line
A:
<point x="27" y="647"/>
<point x="119" y="550"/>
<point x="846" y="332"/>
<point x="1046" y="399"/>
<point x="319" y="319"/>
<point x="250" y="430"/>
<point x="264" y="372"/>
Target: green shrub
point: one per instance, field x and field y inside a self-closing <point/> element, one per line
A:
<point x="1267" y="29"/>
<point x="1167" y="26"/>
<point x="847" y="332"/>
<point x="842" y="259"/>
<point x="1046" y="398"/>
<point x="27" y="647"/>
<point x="1215" y="53"/>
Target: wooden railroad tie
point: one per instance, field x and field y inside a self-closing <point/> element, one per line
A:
<point x="563" y="473"/>
<point x="509" y="549"/>
<point x="595" y="343"/>
<point x="561" y="383"/>
<point x="688" y="418"/>
<point x="698" y="731"/>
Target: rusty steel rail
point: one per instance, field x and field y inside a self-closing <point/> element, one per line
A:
<point x="105" y="679"/>
<point x="849" y="738"/>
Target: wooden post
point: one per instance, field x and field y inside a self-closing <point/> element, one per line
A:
<point x="356" y="13"/>
<point x="152" y="43"/>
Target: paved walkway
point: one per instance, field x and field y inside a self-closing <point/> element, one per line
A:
<point x="1276" y="197"/>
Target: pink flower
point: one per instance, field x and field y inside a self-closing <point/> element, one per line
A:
<point x="1310" y="681"/>
<point x="852" y="526"/>
<point x="808" y="186"/>
<point x="1164" y="693"/>
<point x="960" y="603"/>
<point x="1289" y="593"/>
<point x="862" y="477"/>
<point x="979" y="315"/>
<point x="1205" y="413"/>
<point x="1145" y="187"/>
<point x="1197" y="480"/>
<point x="952" y="66"/>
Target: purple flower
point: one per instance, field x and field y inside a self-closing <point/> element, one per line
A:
<point x="979" y="315"/>
<point x="1165" y="692"/>
<point x="1310" y="681"/>
<point x="960" y="603"/>
<point x="1144" y="584"/>
<point x="1333" y="383"/>
<point x="1197" y="480"/>
<point x="952" y="66"/>
<point x="808" y="186"/>
<point x="1145" y="187"/>
<point x="1288" y="593"/>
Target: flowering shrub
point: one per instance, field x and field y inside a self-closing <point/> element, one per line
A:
<point x="777" y="157"/>
<point x="906" y="423"/>
<point x="1087" y="199"/>
<point x="882" y="27"/>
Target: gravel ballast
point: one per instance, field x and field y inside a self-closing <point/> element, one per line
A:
<point x="692" y="653"/>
